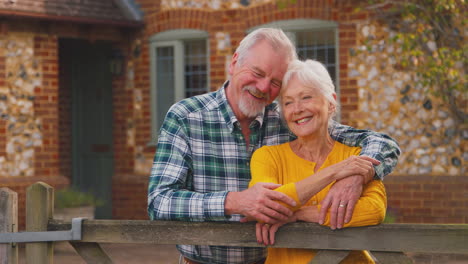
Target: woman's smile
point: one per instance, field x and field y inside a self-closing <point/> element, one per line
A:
<point x="303" y="120"/>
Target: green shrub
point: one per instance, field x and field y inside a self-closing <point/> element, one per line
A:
<point x="69" y="197"/>
<point x="390" y="216"/>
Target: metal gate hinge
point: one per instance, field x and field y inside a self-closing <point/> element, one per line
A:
<point x="46" y="236"/>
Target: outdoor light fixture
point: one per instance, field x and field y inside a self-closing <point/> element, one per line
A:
<point x="116" y="62"/>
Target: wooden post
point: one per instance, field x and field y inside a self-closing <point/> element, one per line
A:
<point x="39" y="209"/>
<point x="391" y="257"/>
<point x="8" y="224"/>
<point x="329" y="256"/>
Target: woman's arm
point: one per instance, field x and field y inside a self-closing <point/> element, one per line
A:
<point x="370" y="209"/>
<point x="305" y="189"/>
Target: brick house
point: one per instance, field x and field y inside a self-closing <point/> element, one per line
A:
<point x="84" y="86"/>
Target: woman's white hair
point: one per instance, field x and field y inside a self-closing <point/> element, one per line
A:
<point x="274" y="36"/>
<point x="314" y="75"/>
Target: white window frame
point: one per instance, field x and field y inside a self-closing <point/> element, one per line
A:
<point x="174" y="38"/>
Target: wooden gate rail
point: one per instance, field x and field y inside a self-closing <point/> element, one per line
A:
<point x="440" y="238"/>
<point x="386" y="242"/>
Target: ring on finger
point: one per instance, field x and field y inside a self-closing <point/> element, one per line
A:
<point x="342" y="205"/>
<point x="267" y="225"/>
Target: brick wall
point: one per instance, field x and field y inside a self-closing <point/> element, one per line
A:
<point x="65" y="122"/>
<point x="3" y="122"/>
<point x="129" y="197"/>
<point x="428" y="199"/>
<point x="52" y="102"/>
<point x="46" y="106"/>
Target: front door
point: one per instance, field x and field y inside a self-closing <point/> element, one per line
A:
<point x="91" y="90"/>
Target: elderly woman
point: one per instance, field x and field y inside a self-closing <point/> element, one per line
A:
<point x="308" y="166"/>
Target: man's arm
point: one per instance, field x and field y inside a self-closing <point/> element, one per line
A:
<point x="168" y="195"/>
<point x="375" y="145"/>
<point x="344" y="194"/>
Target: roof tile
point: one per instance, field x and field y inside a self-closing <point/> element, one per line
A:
<point x="95" y="9"/>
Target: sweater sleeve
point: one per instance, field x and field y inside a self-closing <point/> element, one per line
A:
<point x="264" y="168"/>
<point x="370" y="208"/>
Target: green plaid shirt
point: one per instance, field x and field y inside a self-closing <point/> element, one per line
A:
<point x="201" y="155"/>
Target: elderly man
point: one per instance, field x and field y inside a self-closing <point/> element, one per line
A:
<point x="201" y="167"/>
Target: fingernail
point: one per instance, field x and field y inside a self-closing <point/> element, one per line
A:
<point x="320" y="222"/>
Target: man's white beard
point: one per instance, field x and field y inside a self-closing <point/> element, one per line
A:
<point x="250" y="108"/>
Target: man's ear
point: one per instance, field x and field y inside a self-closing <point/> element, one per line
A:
<point x="232" y="65"/>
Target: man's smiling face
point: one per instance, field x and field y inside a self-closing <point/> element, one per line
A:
<point x="255" y="81"/>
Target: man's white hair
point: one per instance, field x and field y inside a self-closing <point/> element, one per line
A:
<point x="274" y="36"/>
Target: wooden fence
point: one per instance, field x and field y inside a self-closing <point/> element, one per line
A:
<point x="386" y="242"/>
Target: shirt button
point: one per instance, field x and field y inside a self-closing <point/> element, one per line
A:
<point x="248" y="163"/>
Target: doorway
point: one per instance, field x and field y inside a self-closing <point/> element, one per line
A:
<point x="89" y="81"/>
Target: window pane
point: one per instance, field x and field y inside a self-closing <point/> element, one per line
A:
<point x="164" y="81"/>
<point x="195" y="63"/>
<point x="318" y="45"/>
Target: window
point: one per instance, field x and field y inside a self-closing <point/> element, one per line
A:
<point x="318" y="45"/>
<point x="314" y="39"/>
<point x="179" y="69"/>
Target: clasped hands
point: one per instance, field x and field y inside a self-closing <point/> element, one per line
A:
<point x="351" y="174"/>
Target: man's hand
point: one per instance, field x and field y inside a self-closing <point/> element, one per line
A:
<point x="259" y="203"/>
<point x="341" y="199"/>
<point x="354" y="165"/>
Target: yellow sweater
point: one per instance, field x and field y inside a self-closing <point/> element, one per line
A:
<point x="279" y="164"/>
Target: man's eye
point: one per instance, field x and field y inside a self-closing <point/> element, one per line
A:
<point x="276" y="84"/>
<point x="257" y="74"/>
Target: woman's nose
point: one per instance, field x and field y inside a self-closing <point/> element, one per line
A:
<point x="298" y="107"/>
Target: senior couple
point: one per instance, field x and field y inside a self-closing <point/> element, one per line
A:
<point x="237" y="155"/>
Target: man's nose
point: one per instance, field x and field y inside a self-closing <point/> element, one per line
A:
<point x="263" y="85"/>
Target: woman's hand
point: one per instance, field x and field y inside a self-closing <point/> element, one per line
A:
<point x="266" y="233"/>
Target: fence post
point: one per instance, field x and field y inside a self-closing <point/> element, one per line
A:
<point x="8" y="224"/>
<point x="39" y="209"/>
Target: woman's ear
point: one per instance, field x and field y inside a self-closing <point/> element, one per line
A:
<point x="332" y="107"/>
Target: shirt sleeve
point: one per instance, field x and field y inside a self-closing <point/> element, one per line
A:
<point x="169" y="194"/>
<point x="371" y="207"/>
<point x="375" y="145"/>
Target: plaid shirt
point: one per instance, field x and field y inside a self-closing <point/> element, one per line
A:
<point x="202" y="155"/>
